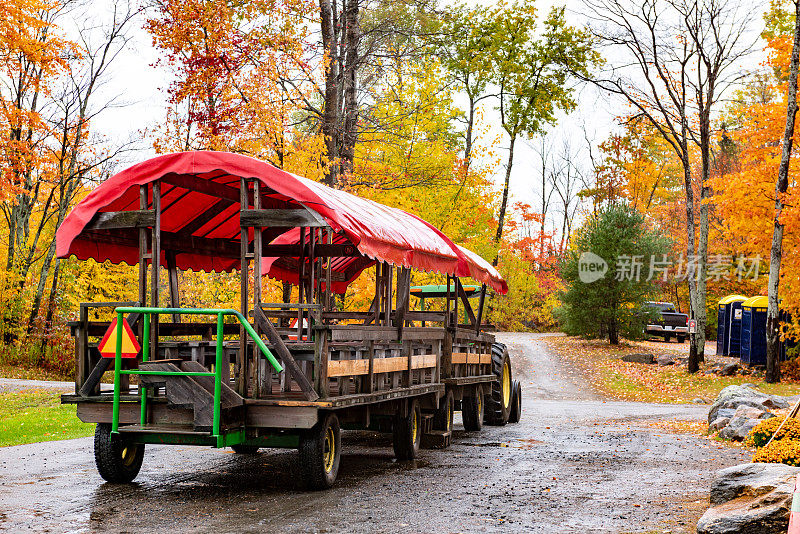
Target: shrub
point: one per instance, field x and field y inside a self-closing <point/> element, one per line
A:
<point x="764" y="430"/>
<point x="783" y="451"/>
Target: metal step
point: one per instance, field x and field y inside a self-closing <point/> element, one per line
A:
<point x="179" y="430"/>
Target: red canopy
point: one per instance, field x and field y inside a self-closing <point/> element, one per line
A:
<point x="199" y="201"/>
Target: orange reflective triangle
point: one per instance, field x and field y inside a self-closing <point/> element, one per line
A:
<point x="108" y="346"/>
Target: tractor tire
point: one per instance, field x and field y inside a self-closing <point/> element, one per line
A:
<point x="498" y="402"/>
<point x="516" y="403"/>
<point x="472" y="410"/>
<point x="116" y="460"/>
<point x="407" y="433"/>
<point x="443" y="417"/>
<point x="320" y="453"/>
<point x="681" y="339"/>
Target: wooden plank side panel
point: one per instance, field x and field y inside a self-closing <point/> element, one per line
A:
<point x="470" y="358"/>
<point x="380" y="365"/>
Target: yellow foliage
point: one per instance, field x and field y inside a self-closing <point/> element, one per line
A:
<point x="763" y="431"/>
<point x="785" y="451"/>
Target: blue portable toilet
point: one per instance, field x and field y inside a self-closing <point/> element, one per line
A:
<point x="734" y="330"/>
<point x="728" y="324"/>
<point x="754" y="331"/>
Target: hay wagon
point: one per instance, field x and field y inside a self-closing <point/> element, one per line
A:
<point x="275" y="374"/>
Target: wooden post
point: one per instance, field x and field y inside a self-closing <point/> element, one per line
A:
<point x="313" y="263"/>
<point x="82" y="349"/>
<point x="241" y="357"/>
<point x="328" y="289"/>
<point x="378" y="292"/>
<point x="262" y="373"/>
<point x="447" y="308"/>
<point x="301" y="283"/>
<point x="321" y="362"/>
<point x="447" y="355"/>
<point x="479" y="318"/>
<point x="143" y="261"/>
<point x="371" y="373"/>
<point x="389" y="278"/>
<point x="155" y="267"/>
<point x="143" y="250"/>
<point x="455" y="300"/>
<point x="174" y="296"/>
<point x="403" y="297"/>
<point x="407" y="352"/>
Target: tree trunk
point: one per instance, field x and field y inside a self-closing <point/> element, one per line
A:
<point x="330" y="119"/>
<point x="504" y="204"/>
<point x="694" y="361"/>
<point x="773" y="373"/>
<point x="468" y="137"/>
<point x="613" y="333"/>
<point x="352" y="36"/>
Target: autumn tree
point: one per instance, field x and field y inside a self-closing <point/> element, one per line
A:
<point x="234" y="65"/>
<point x="611" y="303"/>
<point x="531" y="75"/>
<point x="773" y="373"/>
<point x="676" y="59"/>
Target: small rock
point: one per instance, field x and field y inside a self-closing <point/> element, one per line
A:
<point x="729" y="370"/>
<point x="710" y="372"/>
<point x="698" y="400"/>
<point x="749" y="385"/>
<point x="639" y="358"/>
<point x="750" y="499"/>
<point x="718" y="424"/>
<point x="738" y="428"/>
<point x="751" y="412"/>
<point x="665" y="360"/>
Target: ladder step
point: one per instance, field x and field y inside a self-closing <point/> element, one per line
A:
<point x="437" y="439"/>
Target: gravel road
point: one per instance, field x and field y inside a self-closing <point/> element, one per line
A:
<point x="575" y="463"/>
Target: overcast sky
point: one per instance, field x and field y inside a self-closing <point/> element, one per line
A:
<point x="142" y="86"/>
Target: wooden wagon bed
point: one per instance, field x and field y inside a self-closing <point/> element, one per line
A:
<point x="273" y="374"/>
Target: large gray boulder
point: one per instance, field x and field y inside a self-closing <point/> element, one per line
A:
<point x="734" y="396"/>
<point x="750" y="499"/>
<point x="639" y="358"/>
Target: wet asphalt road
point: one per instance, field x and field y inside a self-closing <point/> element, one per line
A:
<point x="575" y="463"/>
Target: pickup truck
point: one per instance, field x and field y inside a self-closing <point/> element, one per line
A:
<point x="670" y="323"/>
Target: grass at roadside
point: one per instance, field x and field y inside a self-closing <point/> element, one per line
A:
<point x="601" y="364"/>
<point x="32" y="373"/>
<point x="32" y="416"/>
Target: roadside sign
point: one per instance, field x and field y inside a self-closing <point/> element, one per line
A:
<point x="692" y="326"/>
<point x="108" y="346"/>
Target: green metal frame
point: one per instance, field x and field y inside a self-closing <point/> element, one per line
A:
<point x="219" y="439"/>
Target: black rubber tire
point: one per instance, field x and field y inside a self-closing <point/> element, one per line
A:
<point x="443" y="417"/>
<point x="497" y="411"/>
<point x="472" y="410"/>
<point x="116" y="460"/>
<point x="317" y="469"/>
<point x="667" y="338"/>
<point x="407" y="433"/>
<point x="244" y="449"/>
<point x="516" y="403"/>
<point x="681" y="339"/>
